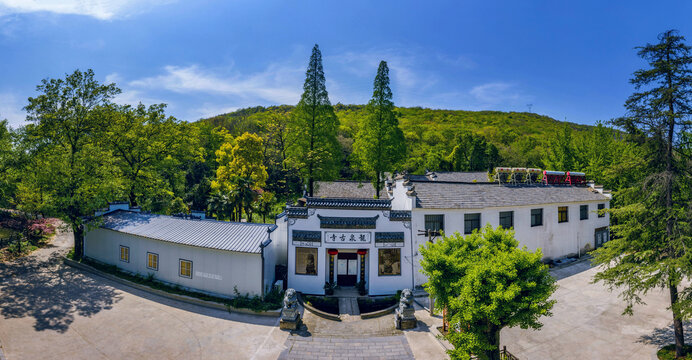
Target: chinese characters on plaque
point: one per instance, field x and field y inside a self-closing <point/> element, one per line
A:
<point x="347" y="237"/>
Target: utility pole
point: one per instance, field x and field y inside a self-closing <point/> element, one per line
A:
<point x="529" y="106"/>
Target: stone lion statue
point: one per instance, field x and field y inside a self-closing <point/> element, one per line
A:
<point x="290" y="299"/>
<point x="406" y="300"/>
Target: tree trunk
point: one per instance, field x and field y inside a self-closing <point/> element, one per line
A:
<point x="493" y="338"/>
<point x="677" y="323"/>
<point x="78" y="241"/>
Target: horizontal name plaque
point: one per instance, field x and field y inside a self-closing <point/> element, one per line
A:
<point x="306" y="243"/>
<point x="347" y="237"/>
<point x="388" y="244"/>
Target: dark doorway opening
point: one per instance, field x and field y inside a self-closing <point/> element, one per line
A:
<point x="346" y="269"/>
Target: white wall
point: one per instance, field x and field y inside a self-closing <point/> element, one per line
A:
<point x="213" y="271"/>
<point x="377" y="285"/>
<point x="554" y="239"/>
<point x="401" y="201"/>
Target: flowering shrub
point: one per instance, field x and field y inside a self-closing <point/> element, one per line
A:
<point x="40" y="228"/>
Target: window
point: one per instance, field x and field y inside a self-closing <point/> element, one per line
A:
<point x="507" y="219"/>
<point x="435" y="223"/>
<point x="186" y="268"/>
<point x="152" y="261"/>
<point x="389" y="262"/>
<point x="306" y="261"/>
<point x="124" y="253"/>
<point x="583" y="212"/>
<point x="562" y="215"/>
<point x="471" y="222"/>
<point x="536" y="217"/>
<point x="601" y="207"/>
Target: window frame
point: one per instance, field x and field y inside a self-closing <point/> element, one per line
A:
<point x="317" y="254"/>
<point x="511" y="218"/>
<point x="379" y="251"/>
<point x="584" y="212"/>
<point x="468" y="219"/>
<point x="560" y="211"/>
<point x="157" y="261"/>
<point x="540" y="211"/>
<point x="127" y="251"/>
<point x="599" y="208"/>
<point x="180" y="268"/>
<point x="441" y="218"/>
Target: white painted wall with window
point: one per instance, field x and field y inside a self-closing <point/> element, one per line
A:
<point x="212" y="271"/>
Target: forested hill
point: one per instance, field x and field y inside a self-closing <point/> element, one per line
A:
<point x="521" y="139"/>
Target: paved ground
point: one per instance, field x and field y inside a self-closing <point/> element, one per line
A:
<point x="51" y="311"/>
<point x="587" y="323"/>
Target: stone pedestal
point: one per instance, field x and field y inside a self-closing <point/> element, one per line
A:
<point x="290" y="316"/>
<point x="404" y="316"/>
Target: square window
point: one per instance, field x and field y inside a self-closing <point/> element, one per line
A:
<point x="434" y="223"/>
<point x="601" y="207"/>
<point x="562" y="214"/>
<point x="536" y="217"/>
<point x="583" y="212"/>
<point x="306" y="261"/>
<point x="152" y="261"/>
<point x="507" y="219"/>
<point x="185" y="268"/>
<point x="471" y="222"/>
<point x="124" y="253"/>
<point x="389" y="262"/>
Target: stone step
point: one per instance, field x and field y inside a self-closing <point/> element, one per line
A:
<point x="348" y="306"/>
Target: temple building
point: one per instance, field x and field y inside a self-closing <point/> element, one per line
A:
<point x="344" y="236"/>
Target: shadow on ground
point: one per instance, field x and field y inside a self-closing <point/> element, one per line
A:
<point x="50" y="293"/>
<point x="666" y="335"/>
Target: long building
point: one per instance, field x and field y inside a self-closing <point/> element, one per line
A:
<point x="342" y="235"/>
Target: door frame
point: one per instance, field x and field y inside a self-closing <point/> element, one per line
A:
<point x="347" y="280"/>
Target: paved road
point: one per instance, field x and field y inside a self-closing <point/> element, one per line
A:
<point x="587" y="323"/>
<point x="51" y="311"/>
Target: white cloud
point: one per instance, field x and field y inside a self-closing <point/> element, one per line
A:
<point x="496" y="93"/>
<point x="276" y="84"/>
<point x="11" y="109"/>
<point x="99" y="9"/>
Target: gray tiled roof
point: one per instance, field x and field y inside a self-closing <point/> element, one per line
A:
<point x="400" y="215"/>
<point x="212" y="234"/>
<point x="381" y="237"/>
<point x="345" y="189"/>
<point x="470" y="177"/>
<point x="366" y="204"/>
<point x="297" y="212"/>
<point x="343" y="222"/>
<point x="306" y="235"/>
<point x="440" y="195"/>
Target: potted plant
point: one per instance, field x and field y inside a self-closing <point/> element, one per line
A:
<point x="361" y="287"/>
<point x="329" y="287"/>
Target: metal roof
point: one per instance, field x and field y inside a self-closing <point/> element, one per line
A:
<point x="449" y="195"/>
<point x="211" y="234"/>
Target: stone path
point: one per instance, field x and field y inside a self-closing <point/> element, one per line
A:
<point x="348" y="306"/>
<point x="386" y="347"/>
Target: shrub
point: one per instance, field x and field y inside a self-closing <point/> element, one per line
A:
<point x="326" y="304"/>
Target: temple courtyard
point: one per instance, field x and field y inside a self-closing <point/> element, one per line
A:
<point x="51" y="311"/>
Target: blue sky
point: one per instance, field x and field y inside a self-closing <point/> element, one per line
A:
<point x="571" y="60"/>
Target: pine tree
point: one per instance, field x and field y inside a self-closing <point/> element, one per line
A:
<point x="313" y="148"/>
<point x="380" y="145"/>
<point x="652" y="245"/>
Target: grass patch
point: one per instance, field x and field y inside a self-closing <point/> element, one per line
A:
<point x="368" y="305"/>
<point x="668" y="353"/>
<point x="271" y="302"/>
<point x="327" y="304"/>
<point x="5" y="233"/>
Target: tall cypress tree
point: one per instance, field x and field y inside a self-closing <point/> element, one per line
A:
<point x="652" y="244"/>
<point x="313" y="148"/>
<point x="380" y="144"/>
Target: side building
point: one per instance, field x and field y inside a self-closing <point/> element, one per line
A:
<point x="214" y="257"/>
<point x="562" y="221"/>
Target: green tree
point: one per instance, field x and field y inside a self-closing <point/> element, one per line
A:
<point x="313" y="147"/>
<point x="651" y="246"/>
<point x="241" y="171"/>
<point x="561" y="154"/>
<point x="380" y="145"/>
<point x="67" y="121"/>
<point x="486" y="283"/>
<point x="140" y="138"/>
